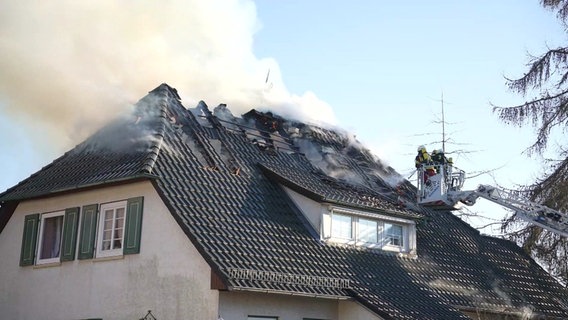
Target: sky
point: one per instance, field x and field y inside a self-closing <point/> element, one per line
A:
<point x="388" y="68"/>
<point x="383" y="70"/>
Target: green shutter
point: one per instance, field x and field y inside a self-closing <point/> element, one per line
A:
<point x="70" y="234"/>
<point x="29" y="240"/>
<point x="133" y="225"/>
<point x="88" y="232"/>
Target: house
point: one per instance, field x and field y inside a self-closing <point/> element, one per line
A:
<point x="198" y="214"/>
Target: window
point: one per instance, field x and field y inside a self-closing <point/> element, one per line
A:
<point x="111" y="229"/>
<point x="50" y="235"/>
<point x="341" y="226"/>
<point x="54" y="235"/>
<point x="393" y="234"/>
<point x="372" y="230"/>
<point x="119" y="228"/>
<point x="367" y="230"/>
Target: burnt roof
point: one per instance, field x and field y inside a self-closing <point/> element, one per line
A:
<point x="122" y="151"/>
<point x="219" y="176"/>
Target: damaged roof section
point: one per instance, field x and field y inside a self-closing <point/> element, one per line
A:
<point x="316" y="185"/>
<point x="123" y="150"/>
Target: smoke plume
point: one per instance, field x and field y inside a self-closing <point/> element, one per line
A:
<point x="70" y="66"/>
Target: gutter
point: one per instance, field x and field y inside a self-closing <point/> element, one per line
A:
<point x="512" y="312"/>
<point x="290" y="293"/>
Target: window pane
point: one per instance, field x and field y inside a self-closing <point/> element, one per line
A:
<point x="51" y="237"/>
<point x="120" y="223"/>
<point x="117" y="243"/>
<point x="367" y="230"/>
<point x="393" y="234"/>
<point x="341" y="226"/>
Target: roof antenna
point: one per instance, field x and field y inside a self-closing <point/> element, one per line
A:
<point x="443" y="125"/>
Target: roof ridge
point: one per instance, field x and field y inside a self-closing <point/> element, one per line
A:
<point x="154" y="149"/>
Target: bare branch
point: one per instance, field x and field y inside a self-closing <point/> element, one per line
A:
<point x="544" y="113"/>
<point x="541" y="69"/>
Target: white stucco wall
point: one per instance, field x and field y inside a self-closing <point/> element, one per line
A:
<point x="168" y="277"/>
<point x="311" y="209"/>
<point x="238" y="305"/>
<point x="349" y="310"/>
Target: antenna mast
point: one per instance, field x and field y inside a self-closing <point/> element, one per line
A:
<point x="443" y="126"/>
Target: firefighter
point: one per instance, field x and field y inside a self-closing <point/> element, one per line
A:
<point x="422" y="157"/>
<point x="439" y="159"/>
<point x="438" y="156"/>
<point x="424" y="160"/>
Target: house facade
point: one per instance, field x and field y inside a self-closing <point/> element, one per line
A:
<point x="198" y="214"/>
<point x="163" y="277"/>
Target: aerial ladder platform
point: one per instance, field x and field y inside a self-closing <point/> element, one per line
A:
<point x="440" y="187"/>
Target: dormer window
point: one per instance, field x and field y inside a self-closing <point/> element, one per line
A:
<point x="360" y="228"/>
<point x="373" y="229"/>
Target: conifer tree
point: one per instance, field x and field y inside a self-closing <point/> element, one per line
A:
<point x="546" y="81"/>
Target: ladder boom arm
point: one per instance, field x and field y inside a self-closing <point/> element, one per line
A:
<point x="535" y="213"/>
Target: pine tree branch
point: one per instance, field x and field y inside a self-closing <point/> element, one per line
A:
<point x="540" y="71"/>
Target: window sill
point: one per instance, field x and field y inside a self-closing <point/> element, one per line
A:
<point x="400" y="251"/>
<point x="109" y="258"/>
<point x="47" y="265"/>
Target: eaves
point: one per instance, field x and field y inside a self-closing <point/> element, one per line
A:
<point x="80" y="187"/>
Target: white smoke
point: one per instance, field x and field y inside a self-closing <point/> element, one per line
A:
<point x="70" y="66"/>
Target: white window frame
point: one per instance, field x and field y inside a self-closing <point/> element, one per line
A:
<point x="407" y="238"/>
<point x="377" y="232"/>
<point x="42" y="225"/>
<point x="386" y="236"/>
<point x="100" y="253"/>
<point x="351" y="231"/>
